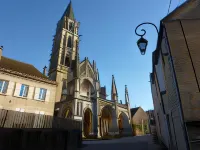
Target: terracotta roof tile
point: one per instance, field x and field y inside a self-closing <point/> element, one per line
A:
<point x="21" y="67"/>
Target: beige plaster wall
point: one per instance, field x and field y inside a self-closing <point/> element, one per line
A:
<point x="30" y="104"/>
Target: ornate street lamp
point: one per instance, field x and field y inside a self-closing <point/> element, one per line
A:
<point x="142" y="42"/>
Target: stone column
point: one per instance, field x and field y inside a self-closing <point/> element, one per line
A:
<point x="94" y="117"/>
<point x="83" y="129"/>
<point x="114" y="126"/>
<point x="99" y="135"/>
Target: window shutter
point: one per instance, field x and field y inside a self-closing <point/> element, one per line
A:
<point x="10" y="88"/>
<point x="30" y="92"/>
<point x="47" y="96"/>
<point x="37" y="92"/>
<point x="17" y="89"/>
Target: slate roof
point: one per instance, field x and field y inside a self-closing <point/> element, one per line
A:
<point x="69" y="12"/>
<point x="134" y="110"/>
<point x="22" y="68"/>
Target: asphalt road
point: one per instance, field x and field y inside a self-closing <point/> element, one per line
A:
<point x="126" y="143"/>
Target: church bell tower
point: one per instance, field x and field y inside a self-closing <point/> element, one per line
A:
<point x="64" y="50"/>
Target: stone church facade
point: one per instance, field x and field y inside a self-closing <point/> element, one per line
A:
<point x="79" y="93"/>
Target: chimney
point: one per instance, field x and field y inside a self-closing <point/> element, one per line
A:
<point x="1" y="50"/>
<point x="45" y="70"/>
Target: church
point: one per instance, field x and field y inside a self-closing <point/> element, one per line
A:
<point x="71" y="89"/>
<point x="79" y="89"/>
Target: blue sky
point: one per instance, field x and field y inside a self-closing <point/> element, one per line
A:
<point x="107" y="26"/>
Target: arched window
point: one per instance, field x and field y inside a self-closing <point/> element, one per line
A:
<point x="69" y="42"/>
<point x="65" y="42"/>
<point x="71" y="26"/>
<point x="67" y="61"/>
<point x="62" y="58"/>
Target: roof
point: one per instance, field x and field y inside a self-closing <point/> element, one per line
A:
<point x="176" y="14"/>
<point x="134" y="110"/>
<point x="21" y="67"/>
<point x="69" y="12"/>
<point x="182" y="9"/>
<point x="103" y="91"/>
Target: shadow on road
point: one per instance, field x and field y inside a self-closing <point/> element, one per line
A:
<point x="116" y="146"/>
<point x="126" y="143"/>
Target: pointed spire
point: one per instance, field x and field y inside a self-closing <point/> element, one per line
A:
<point x="97" y="75"/>
<point x="126" y="95"/>
<point x="69" y="11"/>
<point x="94" y="66"/>
<point x="114" y="90"/>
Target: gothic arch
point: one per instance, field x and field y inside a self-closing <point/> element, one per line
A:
<point x="87" y="122"/>
<point x="108" y="122"/>
<point x="123" y="122"/>
<point x="86" y="87"/>
<point x="89" y="79"/>
<point x="87" y="107"/>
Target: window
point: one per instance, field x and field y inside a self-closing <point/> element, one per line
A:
<point x="42" y="94"/>
<point x="69" y="42"/>
<point x="23" y="90"/>
<point x="67" y="61"/>
<point x="71" y="26"/>
<point x="3" y="86"/>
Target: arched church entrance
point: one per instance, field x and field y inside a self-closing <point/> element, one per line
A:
<point x="123" y="123"/>
<point x="87" y="127"/>
<point x="107" y="120"/>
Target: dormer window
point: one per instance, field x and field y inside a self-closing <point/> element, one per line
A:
<point x="71" y="26"/>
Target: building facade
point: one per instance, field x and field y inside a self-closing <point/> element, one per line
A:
<point x="72" y="88"/>
<point x="140" y="121"/>
<point x="175" y="78"/>
<point x="23" y="88"/>
<point x="79" y="93"/>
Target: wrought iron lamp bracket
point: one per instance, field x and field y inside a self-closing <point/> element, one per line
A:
<point x="143" y="30"/>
